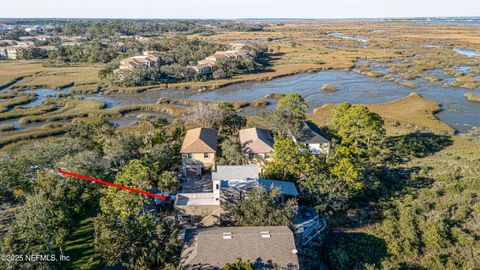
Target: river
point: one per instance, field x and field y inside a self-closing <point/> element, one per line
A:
<point x="352" y="87"/>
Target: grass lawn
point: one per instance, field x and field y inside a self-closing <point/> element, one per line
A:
<point x="80" y="247"/>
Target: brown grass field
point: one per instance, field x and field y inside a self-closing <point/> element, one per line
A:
<point x="401" y="116"/>
<point x="294" y="48"/>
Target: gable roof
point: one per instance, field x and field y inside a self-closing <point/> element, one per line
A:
<point x="200" y="140"/>
<point x="309" y="133"/>
<point x="212" y="248"/>
<point x="236" y="172"/>
<point x="256" y="140"/>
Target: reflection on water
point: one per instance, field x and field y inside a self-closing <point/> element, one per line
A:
<point x="340" y="35"/>
<point x="449" y="21"/>
<point x="352" y="87"/>
<point x="469" y="53"/>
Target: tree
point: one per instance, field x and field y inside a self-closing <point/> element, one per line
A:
<point x="231" y="121"/>
<point x="360" y="130"/>
<point x="168" y="182"/>
<point x="287" y="118"/>
<point x="231" y="154"/>
<point x="121" y="148"/>
<point x="239" y="265"/>
<point x="124" y="203"/>
<point x="345" y="166"/>
<point x="326" y="192"/>
<point x="125" y="234"/>
<point x="290" y="160"/>
<point x="43" y="223"/>
<point x="137" y="242"/>
<point x="261" y="208"/>
<point x="204" y="115"/>
<point x="293" y="107"/>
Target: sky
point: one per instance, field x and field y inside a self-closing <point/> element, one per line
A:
<point x="227" y="9"/>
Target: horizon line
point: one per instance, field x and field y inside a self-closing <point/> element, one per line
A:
<point x="247" y="18"/>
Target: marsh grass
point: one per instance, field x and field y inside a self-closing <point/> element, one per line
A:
<point x="19" y="99"/>
<point x="34" y="74"/>
<point x="403" y="115"/>
<point x="472" y="97"/>
<point x="30" y="135"/>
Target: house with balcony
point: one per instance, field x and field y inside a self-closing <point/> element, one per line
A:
<point x="199" y="150"/>
<point x="257" y="145"/>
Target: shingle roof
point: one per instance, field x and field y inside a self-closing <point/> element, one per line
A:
<point x="285" y="187"/>
<point x="200" y="140"/>
<point x="236" y="172"/>
<point x="256" y="140"/>
<point x="212" y="248"/>
<point x="309" y="134"/>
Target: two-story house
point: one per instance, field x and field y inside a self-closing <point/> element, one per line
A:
<point x="309" y="135"/>
<point x="199" y="150"/>
<point x="256" y="144"/>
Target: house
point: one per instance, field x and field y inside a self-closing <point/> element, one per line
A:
<point x="198" y="208"/>
<point x="309" y="136"/>
<point x="267" y="247"/>
<point x="232" y="183"/>
<point x="13" y="52"/>
<point x="256" y="144"/>
<point x="148" y="59"/>
<point x="207" y="65"/>
<point x="199" y="150"/>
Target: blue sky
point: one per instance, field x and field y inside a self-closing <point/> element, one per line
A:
<point x="237" y="9"/>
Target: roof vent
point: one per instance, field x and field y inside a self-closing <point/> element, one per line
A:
<point x="265" y="234"/>
<point x="294" y="251"/>
<point x="227" y="235"/>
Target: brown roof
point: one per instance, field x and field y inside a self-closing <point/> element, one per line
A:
<point x="212" y="248"/>
<point x="200" y="140"/>
<point x="256" y="140"/>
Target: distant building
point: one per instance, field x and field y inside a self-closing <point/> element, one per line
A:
<point x="199" y="150"/>
<point x="267" y="247"/>
<point x="207" y="65"/>
<point x="310" y="136"/>
<point x="148" y="59"/>
<point x="13" y="52"/>
<point x="256" y="144"/>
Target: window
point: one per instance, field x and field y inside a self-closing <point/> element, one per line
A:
<point x="250" y="156"/>
<point x="216" y="186"/>
<point x="205" y="155"/>
<point x="189" y="155"/>
<point x="267" y="155"/>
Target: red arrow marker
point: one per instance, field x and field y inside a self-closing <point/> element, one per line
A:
<point x="111" y="184"/>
